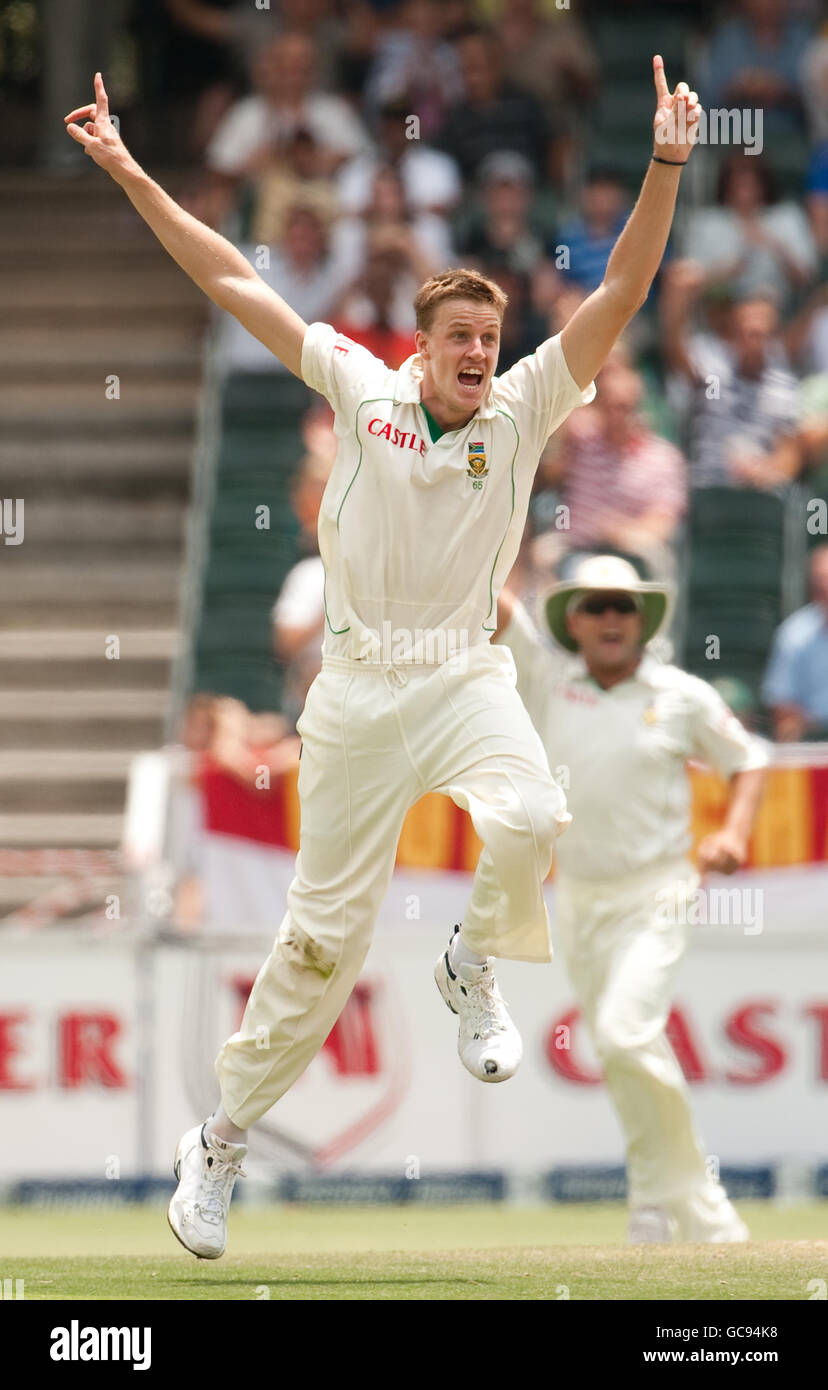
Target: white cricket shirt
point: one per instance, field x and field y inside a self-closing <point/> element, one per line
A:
<point x="621" y="753"/>
<point x="417" y="538"/>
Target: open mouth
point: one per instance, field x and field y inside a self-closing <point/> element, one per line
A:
<point x="471" y="379"/>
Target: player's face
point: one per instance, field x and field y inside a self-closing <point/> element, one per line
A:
<point x="459" y="359"/>
<point x="609" y="640"/>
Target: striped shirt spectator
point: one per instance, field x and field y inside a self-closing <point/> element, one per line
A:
<point x="623" y="484"/>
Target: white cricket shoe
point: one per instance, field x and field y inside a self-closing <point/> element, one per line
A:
<point x="488" y="1042"/>
<point x="650" y="1226"/>
<point x="206" y="1170"/>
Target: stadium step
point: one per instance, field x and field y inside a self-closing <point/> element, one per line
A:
<point x="88" y="293"/>
<point x="111" y="464"/>
<point x="90" y="579"/>
<point x="60" y="666"/>
<point x="158" y="522"/>
<point x="129" y="719"/>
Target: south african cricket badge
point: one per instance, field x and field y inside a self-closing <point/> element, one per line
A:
<point x="477" y="468"/>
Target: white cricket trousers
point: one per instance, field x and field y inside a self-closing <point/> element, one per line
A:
<point x="622" y="940"/>
<point x="373" y="742"/>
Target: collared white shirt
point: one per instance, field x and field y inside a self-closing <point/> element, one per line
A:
<point x="621" y="753"/>
<point x="417" y="537"/>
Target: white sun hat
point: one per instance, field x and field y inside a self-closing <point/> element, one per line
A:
<point x="610" y="574"/>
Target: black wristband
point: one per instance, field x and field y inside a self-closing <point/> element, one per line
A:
<point x="678" y="163"/>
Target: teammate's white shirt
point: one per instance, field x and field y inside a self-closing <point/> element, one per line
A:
<point x="624" y="751"/>
<point x="417" y="537"/>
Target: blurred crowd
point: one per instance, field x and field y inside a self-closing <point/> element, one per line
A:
<point x="353" y="147"/>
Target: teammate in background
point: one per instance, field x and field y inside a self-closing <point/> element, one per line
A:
<point x="420" y="524"/>
<point x="624" y="724"/>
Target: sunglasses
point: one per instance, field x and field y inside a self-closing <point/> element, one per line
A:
<point x="595" y="607"/>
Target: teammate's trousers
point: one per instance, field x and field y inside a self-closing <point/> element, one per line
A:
<point x="622" y="941"/>
<point x="373" y="742"/>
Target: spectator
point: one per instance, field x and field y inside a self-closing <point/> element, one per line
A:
<point x="523" y="327"/>
<point x="817" y="196"/>
<point x="502" y="235"/>
<point x="255" y="132"/>
<point x="590" y="237"/>
<point x="299" y="611"/>
<point x="813" y="429"/>
<point x="243" y="743"/>
<point x="624" y="487"/>
<point x="304" y="271"/>
<point x="415" y="64"/>
<point x="806" y="334"/>
<point x="547" y="53"/>
<point x="796" y="681"/>
<point x="244" y="29"/>
<point x="388" y="224"/>
<point x="492" y="114"/>
<point x="750" y="241"/>
<point x="372" y="312"/>
<point x="297" y="178"/>
<point x="742" y="412"/>
<point x="754" y="61"/>
<point x="815" y="85"/>
<point x="431" y="179"/>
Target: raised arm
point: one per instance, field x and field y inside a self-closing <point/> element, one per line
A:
<point x="636" y="256"/>
<point x="215" y="265"/>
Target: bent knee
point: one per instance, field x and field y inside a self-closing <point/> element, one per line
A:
<point x="536" y="824"/>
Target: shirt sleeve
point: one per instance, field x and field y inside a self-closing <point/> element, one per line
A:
<point x="534" y="664"/>
<point x="540" y="392"/>
<point x="780" y="685"/>
<point x="718" y="738"/>
<point x="341" y="370"/>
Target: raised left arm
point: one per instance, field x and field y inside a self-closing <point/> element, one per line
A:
<point x="597" y="323"/>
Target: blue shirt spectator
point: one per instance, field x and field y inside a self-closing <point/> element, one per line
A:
<point x="796" y="681"/>
<point x="755" y="62"/>
<point x="589" y="239"/>
<point x="817" y="177"/>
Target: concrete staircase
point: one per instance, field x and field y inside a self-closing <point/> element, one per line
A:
<point x="87" y="294"/>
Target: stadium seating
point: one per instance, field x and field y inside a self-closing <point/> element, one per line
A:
<point x="736" y="553"/>
<point x="249" y="549"/>
<point x="621" y="125"/>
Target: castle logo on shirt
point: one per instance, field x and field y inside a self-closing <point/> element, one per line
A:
<point x="477" y="468"/>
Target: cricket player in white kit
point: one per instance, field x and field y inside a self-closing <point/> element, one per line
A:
<point x="624" y="725"/>
<point x="420" y="524"/>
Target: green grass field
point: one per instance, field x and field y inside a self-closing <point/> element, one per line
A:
<point x="410" y="1252"/>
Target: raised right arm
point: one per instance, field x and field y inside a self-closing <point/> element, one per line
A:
<point x="210" y="260"/>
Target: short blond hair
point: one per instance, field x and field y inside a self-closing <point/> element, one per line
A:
<point x="456" y="284"/>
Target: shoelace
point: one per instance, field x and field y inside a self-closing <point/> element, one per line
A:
<point x="215" y="1180"/>
<point x="486" y="1004"/>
